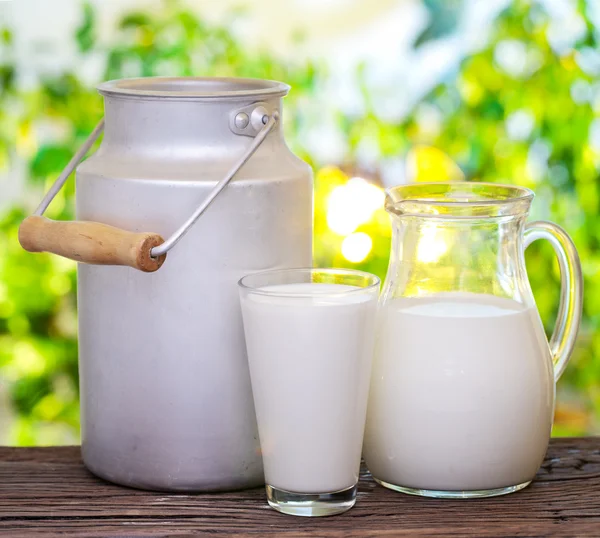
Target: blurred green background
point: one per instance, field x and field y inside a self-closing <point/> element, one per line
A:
<point x="517" y="101"/>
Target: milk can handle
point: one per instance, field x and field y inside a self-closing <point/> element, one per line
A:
<point x="97" y="243"/>
<point x="568" y="319"/>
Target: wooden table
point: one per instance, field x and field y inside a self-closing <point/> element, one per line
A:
<point x="48" y="491"/>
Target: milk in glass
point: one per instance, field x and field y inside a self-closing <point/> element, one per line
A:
<point x="310" y="358"/>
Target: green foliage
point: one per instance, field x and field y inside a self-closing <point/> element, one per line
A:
<point x="500" y="120"/>
<point x="38" y="346"/>
<point x="443" y="18"/>
<point x="85" y="34"/>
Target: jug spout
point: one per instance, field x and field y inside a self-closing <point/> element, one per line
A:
<point x="458" y="236"/>
<point x="458" y="200"/>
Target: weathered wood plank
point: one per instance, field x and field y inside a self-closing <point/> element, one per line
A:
<point x="48" y="491"/>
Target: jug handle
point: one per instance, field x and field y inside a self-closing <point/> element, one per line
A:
<point x="570" y="308"/>
<point x="101" y="244"/>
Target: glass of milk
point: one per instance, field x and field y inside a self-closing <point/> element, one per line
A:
<point x="310" y="338"/>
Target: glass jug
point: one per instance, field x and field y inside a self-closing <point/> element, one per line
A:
<point x="463" y="384"/>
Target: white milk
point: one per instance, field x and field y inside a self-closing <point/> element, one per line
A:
<point x="310" y="361"/>
<point x="462" y="394"/>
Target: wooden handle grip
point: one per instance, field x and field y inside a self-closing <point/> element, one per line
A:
<point x="91" y="242"/>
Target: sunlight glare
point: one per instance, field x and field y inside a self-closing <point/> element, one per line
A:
<point x="353" y="204"/>
<point x="431" y="245"/>
<point x="356" y="247"/>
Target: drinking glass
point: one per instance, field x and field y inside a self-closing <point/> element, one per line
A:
<point x="310" y="338"/>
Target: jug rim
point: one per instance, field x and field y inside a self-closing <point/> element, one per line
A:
<point x="195" y="88"/>
<point x="458" y="199"/>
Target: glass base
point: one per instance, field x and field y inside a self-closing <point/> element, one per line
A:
<point x="311" y="504"/>
<point x="441" y="494"/>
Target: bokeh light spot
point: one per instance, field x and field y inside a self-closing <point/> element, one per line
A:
<point x="356" y="247"/>
<point x="352" y="204"/>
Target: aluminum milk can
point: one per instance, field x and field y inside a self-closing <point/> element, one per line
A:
<point x="166" y="401"/>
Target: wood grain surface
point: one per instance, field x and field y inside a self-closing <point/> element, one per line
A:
<point x="47" y="491"/>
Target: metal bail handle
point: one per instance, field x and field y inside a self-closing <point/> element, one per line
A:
<point x="97" y="243"/>
<point x="268" y="124"/>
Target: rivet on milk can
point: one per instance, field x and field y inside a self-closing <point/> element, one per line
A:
<point x="166" y="401"/>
